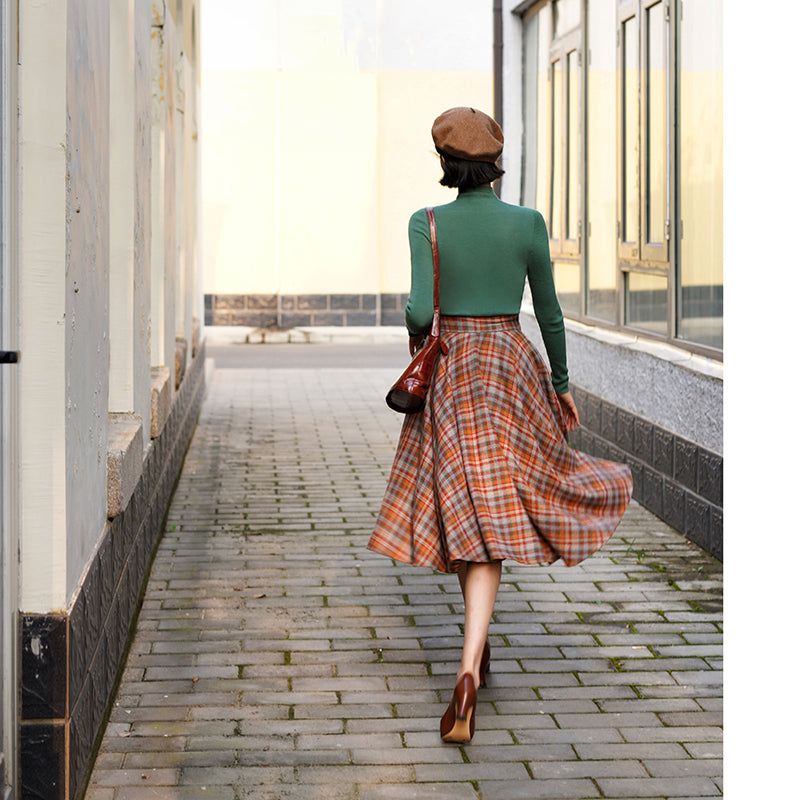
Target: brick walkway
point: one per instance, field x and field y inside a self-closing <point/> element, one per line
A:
<point x="275" y="657"/>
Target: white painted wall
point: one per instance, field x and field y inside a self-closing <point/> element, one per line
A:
<point x="511" y="186"/>
<point x="42" y="75"/>
<point x="98" y="208"/>
<point x="129" y="208"/>
<point x="87" y="273"/>
<point x="316" y="135"/>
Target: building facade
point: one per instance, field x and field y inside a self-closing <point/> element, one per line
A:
<point x="102" y="335"/>
<point x="330" y="105"/>
<point x="612" y="112"/>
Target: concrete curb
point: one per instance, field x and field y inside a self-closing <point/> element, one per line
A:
<point x="219" y="335"/>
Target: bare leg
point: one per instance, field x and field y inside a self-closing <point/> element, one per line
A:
<point x="479" y="585"/>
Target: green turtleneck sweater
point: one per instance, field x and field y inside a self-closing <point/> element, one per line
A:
<point x="487" y="249"/>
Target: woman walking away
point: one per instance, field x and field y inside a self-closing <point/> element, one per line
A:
<point x="485" y="472"/>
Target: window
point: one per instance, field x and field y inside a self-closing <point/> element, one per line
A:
<point x="552" y="109"/>
<point x="643" y="137"/>
<point x="622" y="154"/>
<point x="699" y="238"/>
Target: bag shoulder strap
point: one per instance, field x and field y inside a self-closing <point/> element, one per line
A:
<point x="435" y="251"/>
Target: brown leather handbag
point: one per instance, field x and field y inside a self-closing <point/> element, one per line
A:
<point x="408" y="393"/>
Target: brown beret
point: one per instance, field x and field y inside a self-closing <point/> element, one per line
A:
<point x="469" y="134"/>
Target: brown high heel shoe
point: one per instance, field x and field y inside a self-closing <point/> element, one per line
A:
<point x="484" y="668"/>
<point x="458" y="722"/>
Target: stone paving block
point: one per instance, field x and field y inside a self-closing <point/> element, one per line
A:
<point x="100" y="793"/>
<point x="295" y="792"/>
<point x="661" y="706"/>
<point x="406" y="755"/>
<point x="554" y="770"/>
<point x="430" y="791"/>
<point x="673" y="734"/>
<point x="235" y="742"/>
<point x="427" y="736"/>
<point x="347" y="740"/>
<point x="536" y="790"/>
<point x="349" y="712"/>
<point x="178" y="759"/>
<point x="135" y="744"/>
<point x="176" y="793"/>
<point x="136" y="777"/>
<point x="235" y="776"/>
<point x="481" y="752"/>
<point x="290" y="757"/>
<point x="284" y="661"/>
<point x="687" y="766"/>
<point x="641" y="719"/>
<point x="659" y="787"/>
<point x="570" y="736"/>
<point x="393" y="773"/>
<point x="652" y="750"/>
<point x="509" y="770"/>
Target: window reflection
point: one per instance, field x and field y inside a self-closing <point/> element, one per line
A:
<point x="567" y="277"/>
<point x="530" y="101"/>
<point x="573" y="99"/>
<point x="630" y="131"/>
<point x="700" y="297"/>
<point x="646" y="302"/>
<point x="656" y="190"/>
<point x="600" y="141"/>
<point x="556" y="150"/>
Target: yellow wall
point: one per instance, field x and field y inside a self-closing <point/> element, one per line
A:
<point x="316" y="139"/>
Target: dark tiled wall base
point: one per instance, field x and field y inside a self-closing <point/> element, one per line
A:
<point x="71" y="662"/>
<point x="676" y="479"/>
<point x="282" y="312"/>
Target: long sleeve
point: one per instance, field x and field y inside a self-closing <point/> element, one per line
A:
<point x="546" y="305"/>
<point x="419" y="309"/>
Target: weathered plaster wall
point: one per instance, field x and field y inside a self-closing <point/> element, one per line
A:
<point x="129" y="208"/>
<point x="100" y="246"/>
<point x="142" y="226"/>
<point x="42" y="131"/>
<point x="316" y="136"/>
<point x="86" y="293"/>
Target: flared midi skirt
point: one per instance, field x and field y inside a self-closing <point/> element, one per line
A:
<point x="485" y="472"/>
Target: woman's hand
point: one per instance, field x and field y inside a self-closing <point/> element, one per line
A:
<point x="415" y="342"/>
<point x="570" y="410"/>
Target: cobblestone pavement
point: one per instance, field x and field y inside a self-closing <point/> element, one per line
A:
<point x="275" y="657"/>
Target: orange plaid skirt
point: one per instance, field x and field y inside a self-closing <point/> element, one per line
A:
<point x="485" y="471"/>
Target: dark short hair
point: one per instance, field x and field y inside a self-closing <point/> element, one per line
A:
<point x="462" y="174"/>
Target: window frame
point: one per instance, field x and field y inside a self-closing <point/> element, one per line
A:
<point x="561" y="245"/>
<point x="638" y="255"/>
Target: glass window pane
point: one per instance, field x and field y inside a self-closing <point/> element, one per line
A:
<point x="556" y="152"/>
<point x="573" y="98"/>
<point x="568" y="285"/>
<point x="656" y="189"/>
<point x="566" y="15"/>
<point x="646" y="304"/>
<point x="700" y="178"/>
<point x="630" y="131"/>
<point x="599" y="233"/>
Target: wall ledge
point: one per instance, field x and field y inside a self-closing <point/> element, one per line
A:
<point x="160" y="399"/>
<point x="124" y="459"/>
<point x="661" y="350"/>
